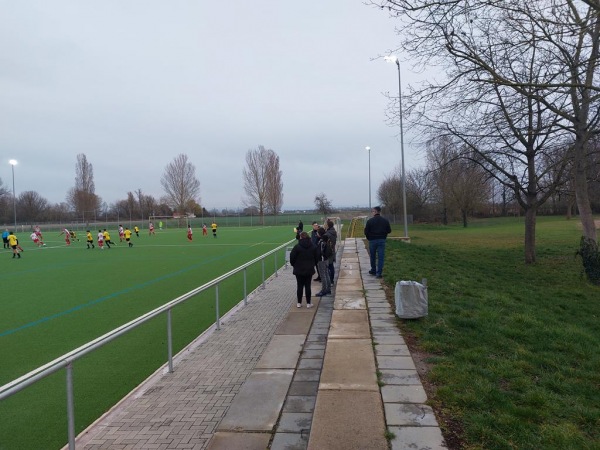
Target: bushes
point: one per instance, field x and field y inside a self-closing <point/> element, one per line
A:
<point x="590" y="255"/>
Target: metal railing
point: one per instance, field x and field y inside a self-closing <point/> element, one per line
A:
<point x="66" y="361"/>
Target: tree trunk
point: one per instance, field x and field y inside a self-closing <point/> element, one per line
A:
<point x="581" y="193"/>
<point x="530" y="218"/>
<point x="464" y="218"/>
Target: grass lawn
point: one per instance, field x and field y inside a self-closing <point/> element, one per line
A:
<point x="56" y="298"/>
<point x="513" y="349"/>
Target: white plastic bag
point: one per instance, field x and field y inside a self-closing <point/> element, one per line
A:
<point x="411" y="299"/>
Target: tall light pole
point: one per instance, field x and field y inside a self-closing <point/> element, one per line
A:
<point x="395" y="59"/>
<point x="368" y="149"/>
<point x="13" y="163"/>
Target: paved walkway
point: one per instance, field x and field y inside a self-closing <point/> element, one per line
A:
<point x="337" y="376"/>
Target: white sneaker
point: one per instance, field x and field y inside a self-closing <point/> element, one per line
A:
<point x="299" y="305"/>
<point x="309" y="305"/>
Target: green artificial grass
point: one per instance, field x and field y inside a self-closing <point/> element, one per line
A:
<point x="57" y="298"/>
<point x="513" y="348"/>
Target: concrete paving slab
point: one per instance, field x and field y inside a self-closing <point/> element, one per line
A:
<point x="349" y="364"/>
<point x="300" y="403"/>
<point x="403" y="394"/>
<point x="383" y="322"/>
<point x="417" y="438"/>
<point x="350" y="301"/>
<point x="290" y="441"/>
<point x="263" y="393"/>
<point x="376" y="294"/>
<point x="348" y="273"/>
<point x="390" y="339"/>
<point x="308" y="374"/>
<point x="304" y="388"/>
<point x="282" y="352"/>
<point x="395" y="362"/>
<point x="350" y="324"/>
<point x="384" y="330"/>
<point x="389" y="376"/>
<point x="391" y="350"/>
<point x="349" y="285"/>
<point x="378" y="314"/>
<point x="296" y="323"/>
<point x="311" y="363"/>
<point x="293" y="422"/>
<point x="337" y="426"/>
<point x="317" y="338"/>
<point x="314" y="346"/>
<point x="313" y="353"/>
<point x="409" y="414"/>
<point x="240" y="441"/>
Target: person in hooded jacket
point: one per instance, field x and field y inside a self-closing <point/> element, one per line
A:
<point x="303" y="258"/>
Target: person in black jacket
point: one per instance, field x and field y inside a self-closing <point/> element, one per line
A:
<point x="304" y="258"/>
<point x="376" y="230"/>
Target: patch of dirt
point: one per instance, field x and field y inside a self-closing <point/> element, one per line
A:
<point x="451" y="428"/>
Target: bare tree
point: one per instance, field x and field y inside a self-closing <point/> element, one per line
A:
<point x="262" y="181"/>
<point x="274" y="200"/>
<point x="323" y="204"/>
<point x="389" y="193"/>
<point x="3" y="190"/>
<point x="82" y="196"/>
<point x="419" y="191"/>
<point x="518" y="75"/>
<point x="180" y="183"/>
<point x="31" y="206"/>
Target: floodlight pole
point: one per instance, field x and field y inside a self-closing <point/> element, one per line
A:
<point x="397" y="61"/>
<point x="13" y="163"/>
<point x="369" y="150"/>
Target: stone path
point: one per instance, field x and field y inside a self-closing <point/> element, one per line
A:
<point x="337" y="376"/>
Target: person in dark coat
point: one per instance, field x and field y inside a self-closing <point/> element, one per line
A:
<point x="376" y="231"/>
<point x="303" y="258"/>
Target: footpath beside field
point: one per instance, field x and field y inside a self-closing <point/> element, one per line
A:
<point x="280" y="377"/>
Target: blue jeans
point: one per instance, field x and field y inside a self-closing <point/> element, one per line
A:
<point x="377" y="246"/>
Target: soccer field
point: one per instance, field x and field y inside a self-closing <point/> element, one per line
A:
<point x="58" y="297"/>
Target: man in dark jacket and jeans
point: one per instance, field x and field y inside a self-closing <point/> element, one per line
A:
<point x="376" y="231"/>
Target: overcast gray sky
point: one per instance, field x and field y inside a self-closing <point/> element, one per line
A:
<point x="134" y="83"/>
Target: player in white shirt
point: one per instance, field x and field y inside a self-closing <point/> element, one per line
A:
<point x="101" y="239"/>
<point x="36" y="239"/>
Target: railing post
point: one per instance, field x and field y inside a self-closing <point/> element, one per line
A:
<point x="245" y="289"/>
<point x="70" y="407"/>
<point x="169" y="341"/>
<point x="263" y="272"/>
<point x="217" y="307"/>
<point x="276" y="274"/>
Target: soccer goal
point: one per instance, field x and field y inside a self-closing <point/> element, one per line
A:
<point x="162" y="222"/>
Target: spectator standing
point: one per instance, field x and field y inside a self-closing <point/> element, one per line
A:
<point x="314" y="237"/>
<point x="304" y="258"/>
<point x="324" y="251"/>
<point x="376" y="230"/>
<point x="332" y="234"/>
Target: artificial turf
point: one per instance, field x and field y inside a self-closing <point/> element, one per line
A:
<point x="58" y="297"/>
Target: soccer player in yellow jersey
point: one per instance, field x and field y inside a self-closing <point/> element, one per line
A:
<point x="137" y="231"/>
<point x="214" y="228"/>
<point x="14" y="243"/>
<point x="107" y="240"/>
<point x="89" y="239"/>
<point x="127" y="234"/>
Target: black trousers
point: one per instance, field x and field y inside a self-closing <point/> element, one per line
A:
<point x="303" y="285"/>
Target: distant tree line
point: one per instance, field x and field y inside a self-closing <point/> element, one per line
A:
<point x="263" y="187"/>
